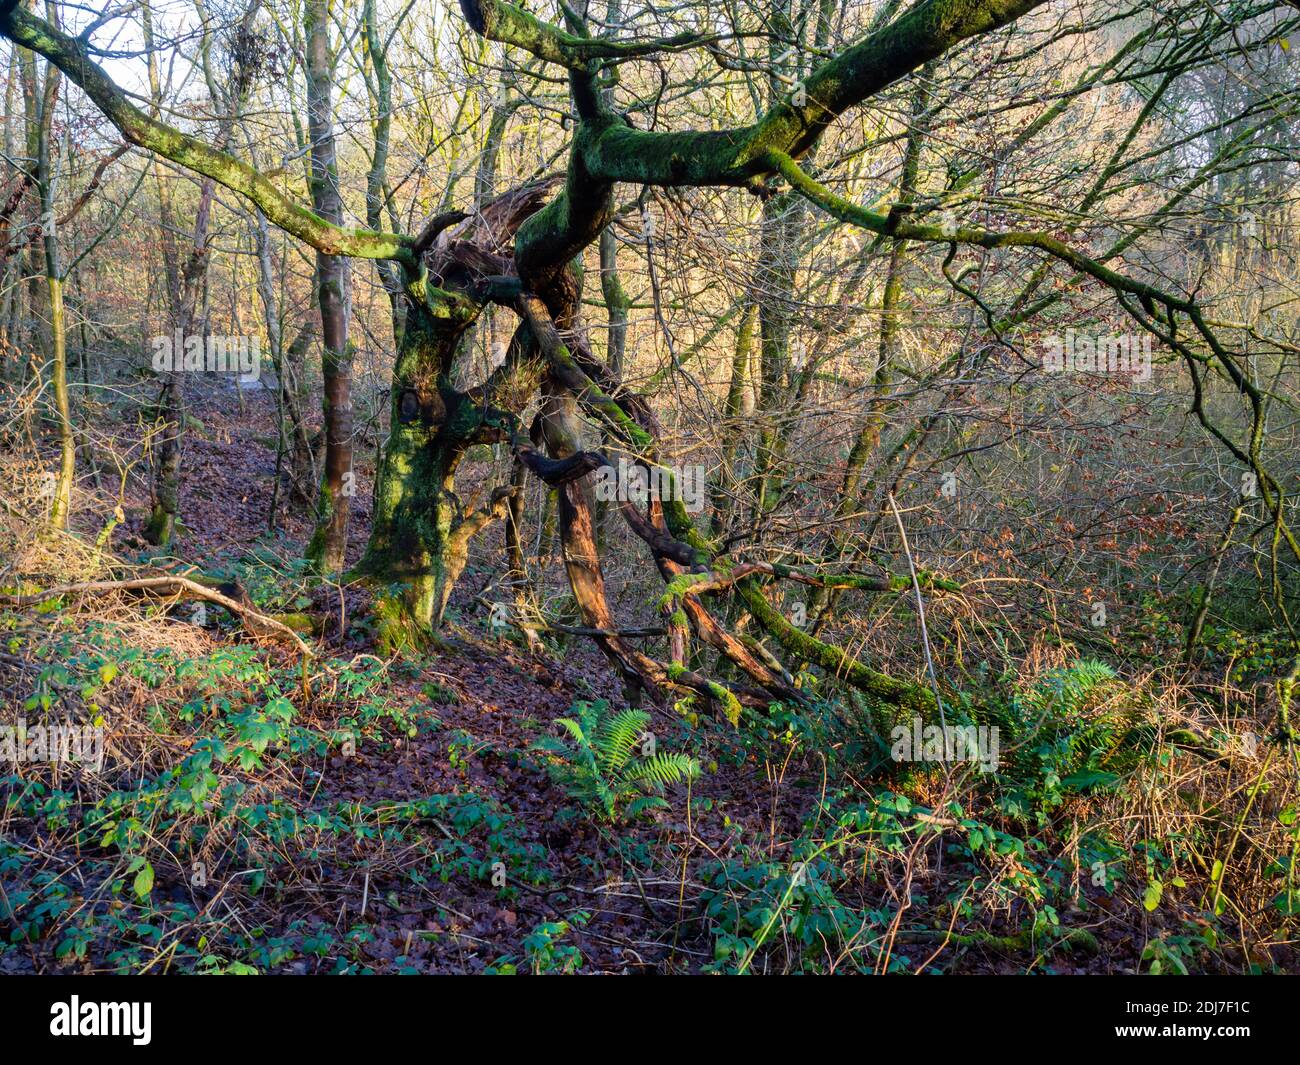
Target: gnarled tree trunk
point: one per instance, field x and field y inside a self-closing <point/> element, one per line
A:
<point x="417" y="543"/>
<point x="421" y="530"/>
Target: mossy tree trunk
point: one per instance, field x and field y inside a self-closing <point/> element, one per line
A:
<point x="165" y="488"/>
<point x="415" y="553"/>
<point x="421" y="530"/>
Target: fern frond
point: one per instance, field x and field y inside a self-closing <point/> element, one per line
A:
<point x="662" y="769"/>
<point x="1074" y="685"/>
<point x="574" y="729"/>
<point x="642" y="803"/>
<point x="595" y="759"/>
<point x="589" y="714"/>
<point x="606" y="796"/>
<point x="618" y="737"/>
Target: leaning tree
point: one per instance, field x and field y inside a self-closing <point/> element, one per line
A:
<point x="522" y="252"/>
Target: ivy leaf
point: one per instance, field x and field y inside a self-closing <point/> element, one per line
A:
<point x="1288" y="902"/>
<point x="1152" y="897"/>
<point x="143" y="881"/>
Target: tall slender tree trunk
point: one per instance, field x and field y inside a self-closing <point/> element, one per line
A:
<point x="328" y="545"/>
<point x="62" y="504"/>
<point x="617" y="301"/>
<point x="377" y="178"/>
<point x="58" y="365"/>
<point x="34" y="268"/>
<point x="289" y="361"/>
<point x="59" y="375"/>
<point x="741" y="360"/>
<point x="12" y="264"/>
<point x="165" y="489"/>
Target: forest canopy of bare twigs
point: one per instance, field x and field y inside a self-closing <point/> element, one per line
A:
<point x="669" y="487"/>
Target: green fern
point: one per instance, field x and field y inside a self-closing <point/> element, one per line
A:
<point x="600" y="765"/>
<point x="1065" y="691"/>
<point x="1071" y="732"/>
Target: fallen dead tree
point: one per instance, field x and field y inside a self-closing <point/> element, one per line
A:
<point x="175" y="588"/>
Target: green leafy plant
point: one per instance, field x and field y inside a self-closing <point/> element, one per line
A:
<point x="1179" y="955"/>
<point x="1070" y="733"/>
<point x="603" y="763"/>
<point x="545" y="952"/>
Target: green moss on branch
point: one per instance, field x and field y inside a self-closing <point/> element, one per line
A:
<point x="72" y="56"/>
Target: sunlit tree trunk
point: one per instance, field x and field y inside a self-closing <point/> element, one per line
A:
<point x="61" y="503"/>
<point x="329" y="543"/>
<point x="381" y="83"/>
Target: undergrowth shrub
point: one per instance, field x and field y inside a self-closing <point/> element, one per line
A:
<point x="1074" y="729"/>
<point x="211" y="785"/>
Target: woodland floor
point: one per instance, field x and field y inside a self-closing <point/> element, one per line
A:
<point x="654" y="891"/>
